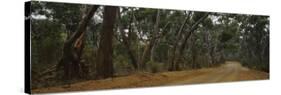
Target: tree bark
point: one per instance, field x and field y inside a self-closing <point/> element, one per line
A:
<point x="73" y="46"/>
<point x="105" y="51"/>
<point x="172" y="64"/>
<point x="147" y="51"/>
<point x="126" y="41"/>
<point x="179" y="52"/>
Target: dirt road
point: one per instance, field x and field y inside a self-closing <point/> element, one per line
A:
<point x="230" y="71"/>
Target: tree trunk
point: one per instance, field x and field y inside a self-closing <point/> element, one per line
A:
<point x="73" y="46"/>
<point x="105" y="51"/>
<point x="148" y="48"/>
<point x="127" y="40"/>
<point x="175" y="46"/>
<point x="179" y="52"/>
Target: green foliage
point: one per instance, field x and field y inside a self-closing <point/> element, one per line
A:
<point x="255" y="42"/>
<point x="198" y="15"/>
<point x="226" y="36"/>
<point x="46" y="41"/>
<point x="161" y="56"/>
<point x="122" y="65"/>
<point x="229" y="32"/>
<point x="155" y="66"/>
<point x="66" y="14"/>
<point x="208" y="23"/>
<point x="217" y="38"/>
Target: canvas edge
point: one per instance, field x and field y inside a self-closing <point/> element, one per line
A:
<point x="27" y="69"/>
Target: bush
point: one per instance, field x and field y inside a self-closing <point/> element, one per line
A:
<point x="122" y="65"/>
<point x="155" y="66"/>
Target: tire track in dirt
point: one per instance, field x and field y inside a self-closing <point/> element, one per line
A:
<point x="227" y="72"/>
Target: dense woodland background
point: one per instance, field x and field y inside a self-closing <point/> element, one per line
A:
<point x="74" y="42"/>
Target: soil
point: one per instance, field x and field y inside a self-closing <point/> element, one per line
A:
<point x="230" y="71"/>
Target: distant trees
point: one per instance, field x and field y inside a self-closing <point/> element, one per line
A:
<point x="151" y="42"/>
<point x="77" y="41"/>
<point x="254" y="41"/>
<point x="127" y="40"/>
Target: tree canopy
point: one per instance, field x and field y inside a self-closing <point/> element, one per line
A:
<point x="78" y="42"/>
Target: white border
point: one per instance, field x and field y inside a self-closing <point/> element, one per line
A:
<point x="12" y="47"/>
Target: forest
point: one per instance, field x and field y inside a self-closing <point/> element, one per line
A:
<point x="76" y="43"/>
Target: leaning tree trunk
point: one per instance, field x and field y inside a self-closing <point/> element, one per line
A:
<point x="178" y="53"/>
<point x="73" y="46"/>
<point x="105" y="51"/>
<point x="127" y="40"/>
<point x="175" y="46"/>
<point x="147" y="51"/>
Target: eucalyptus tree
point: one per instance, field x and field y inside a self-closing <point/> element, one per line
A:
<point x="105" y="51"/>
<point x="255" y="41"/>
<point x="196" y="19"/>
<point x="71" y="60"/>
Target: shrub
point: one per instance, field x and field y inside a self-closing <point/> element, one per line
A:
<point x="155" y="66"/>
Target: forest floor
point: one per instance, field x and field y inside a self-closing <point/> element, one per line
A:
<point x="230" y="71"/>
